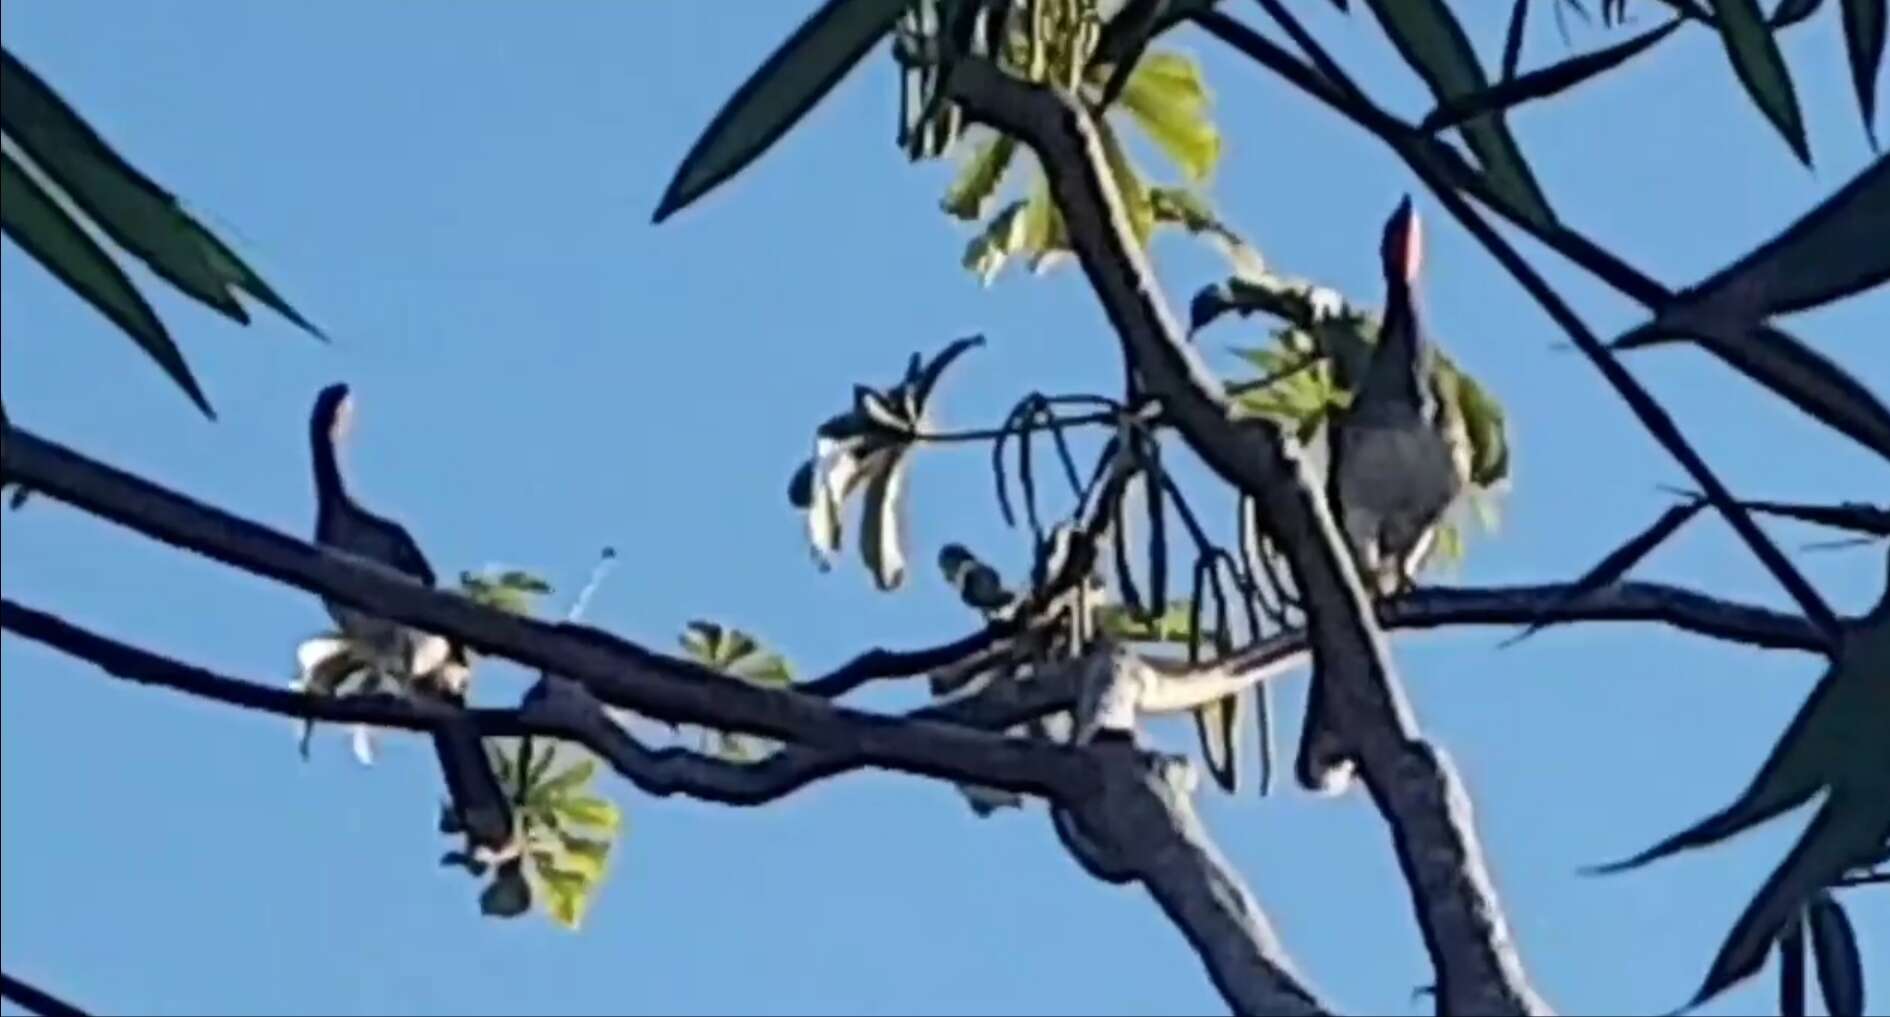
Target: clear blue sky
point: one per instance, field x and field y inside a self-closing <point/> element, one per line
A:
<point x="461" y="195"/>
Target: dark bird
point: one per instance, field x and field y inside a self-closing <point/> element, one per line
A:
<point x="426" y="666"/>
<point x="1395" y="467"/>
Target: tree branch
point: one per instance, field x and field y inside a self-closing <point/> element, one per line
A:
<point x="1779" y="361"/>
<point x="1192" y="884"/>
<point x="1457" y="909"/>
<point x="36" y="1000"/>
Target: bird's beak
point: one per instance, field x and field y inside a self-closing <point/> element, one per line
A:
<point x="1404" y="243"/>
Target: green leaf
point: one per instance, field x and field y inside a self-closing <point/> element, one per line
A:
<point x="1166" y="97"/>
<point x="793" y="79"/>
<point x="585" y="856"/>
<point x="1840" y="962"/>
<point x="1002" y="237"/>
<point x="1431" y="40"/>
<point x="592" y="811"/>
<point x="1761" y="68"/>
<point x="1864" y="39"/>
<point x="140" y="217"/>
<point x="1545" y="82"/>
<point x="33" y="218"/>
<point x="567" y="894"/>
<point x="979" y="180"/>
<point x="569" y="779"/>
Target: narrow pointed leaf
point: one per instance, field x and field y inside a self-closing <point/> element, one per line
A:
<point x="1834" y="251"/>
<point x="1835" y="741"/>
<point x="882" y="522"/>
<point x="33" y="218"/>
<point x="1840" y="962"/>
<point x="1513" y="38"/>
<point x="1791" y="12"/>
<point x="793" y="79"/>
<point x="1761" y="68"/>
<point x="979" y="180"/>
<point x="138" y="215"/>
<point x="1864" y="22"/>
<point x="1843" y="827"/>
<point x="1615" y="566"/>
<point x="1541" y="84"/>
<point x="1432" y="41"/>
<point x="1791" y="970"/>
<point x="1218" y="724"/>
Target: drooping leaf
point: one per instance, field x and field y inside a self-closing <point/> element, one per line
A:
<point x="565" y="781"/>
<point x="979" y="180"/>
<point x="1840" y="962"/>
<point x="33" y="219"/>
<point x="1791" y="970"/>
<point x="1761" y="69"/>
<point x="882" y="526"/>
<point x="138" y="215"/>
<point x="793" y="79"/>
<point x="1002" y="237"/>
<point x="1218" y="724"/>
<point x="1864" y="22"/>
<point x="1168" y="100"/>
<point x="1548" y="81"/>
<point x="1432" y="41"/>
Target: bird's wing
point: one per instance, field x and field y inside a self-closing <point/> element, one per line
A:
<point x="407" y="556"/>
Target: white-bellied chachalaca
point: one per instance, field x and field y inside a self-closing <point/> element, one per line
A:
<point x="1393" y="470"/>
<point x="424" y="666"/>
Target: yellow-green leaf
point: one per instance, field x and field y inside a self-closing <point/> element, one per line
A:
<point x="33" y="218"/>
<point x="139" y="216"/>
<point x="1166" y="97"/>
<point x="592" y="811"/>
<point x="980" y="177"/>
<point x="793" y="79"/>
<point x="1432" y="41"/>
<point x="1761" y="68"/>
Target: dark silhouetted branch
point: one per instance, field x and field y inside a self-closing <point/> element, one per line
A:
<point x="1191" y="884"/>
<point x="1456" y="905"/>
<point x="35" y="1000"/>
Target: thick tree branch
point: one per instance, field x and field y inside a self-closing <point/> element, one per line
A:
<point x="36" y="1000"/>
<point x="1463" y="925"/>
<point x="1191" y="884"/>
<point x="616" y="671"/>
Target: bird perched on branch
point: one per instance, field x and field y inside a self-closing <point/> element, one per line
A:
<point x="427" y="667"/>
<point x="1396" y="465"/>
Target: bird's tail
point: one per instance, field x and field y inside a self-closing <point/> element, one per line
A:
<point x="478" y="801"/>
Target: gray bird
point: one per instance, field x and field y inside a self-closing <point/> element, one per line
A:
<point x="426" y="666"/>
<point x="1394" y="468"/>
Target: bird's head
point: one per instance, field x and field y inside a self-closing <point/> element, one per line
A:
<point x="1403" y="247"/>
<point x="334" y="414"/>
